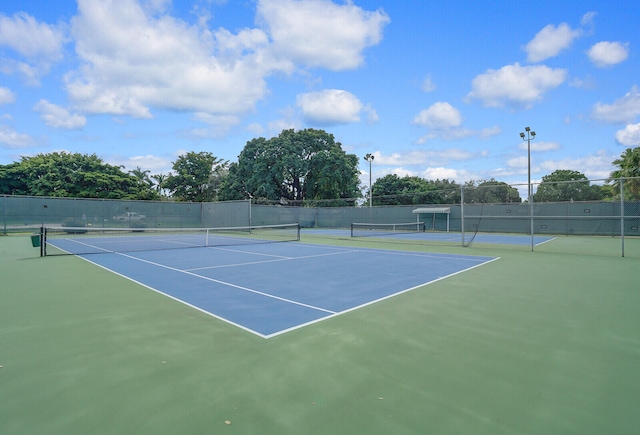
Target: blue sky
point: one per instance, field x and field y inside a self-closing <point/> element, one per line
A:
<point x="432" y="89"/>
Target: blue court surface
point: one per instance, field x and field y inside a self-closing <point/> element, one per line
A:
<point x="443" y="237"/>
<point x="273" y="288"/>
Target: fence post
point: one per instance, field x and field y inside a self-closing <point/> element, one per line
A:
<point x="462" y="212"/>
<point x="531" y="211"/>
<point x="622" y="213"/>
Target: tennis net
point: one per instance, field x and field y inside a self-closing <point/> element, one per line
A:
<point x="361" y="229"/>
<point x="88" y="240"/>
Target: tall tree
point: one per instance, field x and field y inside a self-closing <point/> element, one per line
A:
<point x="490" y="192"/>
<point x="393" y="190"/>
<point x="192" y="177"/>
<point x="293" y="167"/>
<point x="62" y="174"/>
<point x="628" y="167"/>
<point x="567" y="185"/>
<point x="13" y="180"/>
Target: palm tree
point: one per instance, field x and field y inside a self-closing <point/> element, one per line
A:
<point x="160" y="179"/>
<point x="142" y="176"/>
<point x="629" y="170"/>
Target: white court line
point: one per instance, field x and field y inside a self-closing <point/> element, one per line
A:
<point x="237" y="264"/>
<point x="227" y="284"/>
<point x="546" y="241"/>
<point x="270" y="261"/>
<point x="330" y="314"/>
<point x="85" y="244"/>
<point x="195" y="307"/>
<point x="389" y="296"/>
<point x="219" y="248"/>
<point x="107" y="242"/>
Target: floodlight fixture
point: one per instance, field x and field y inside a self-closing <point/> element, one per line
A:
<point x="369" y="158"/>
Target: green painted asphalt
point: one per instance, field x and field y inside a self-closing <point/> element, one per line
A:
<point x="534" y="343"/>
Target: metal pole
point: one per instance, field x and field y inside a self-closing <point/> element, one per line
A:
<point x="462" y="213"/>
<point x="530" y="135"/>
<point x="529" y="184"/>
<point x="622" y="213"/>
<point x="370" y="192"/>
<point x="369" y="158"/>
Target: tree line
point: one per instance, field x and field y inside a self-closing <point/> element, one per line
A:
<point x="295" y="168"/>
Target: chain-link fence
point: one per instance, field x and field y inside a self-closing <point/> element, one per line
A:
<point x="610" y="209"/>
<point x="22" y="213"/>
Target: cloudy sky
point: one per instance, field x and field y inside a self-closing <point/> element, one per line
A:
<point x="430" y="88"/>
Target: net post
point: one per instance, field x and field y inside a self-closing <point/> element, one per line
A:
<point x="43" y="241"/>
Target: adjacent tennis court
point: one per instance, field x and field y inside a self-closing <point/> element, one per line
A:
<point x="239" y="276"/>
<point x="414" y="232"/>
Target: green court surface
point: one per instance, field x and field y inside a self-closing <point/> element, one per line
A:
<point x="534" y="343"/>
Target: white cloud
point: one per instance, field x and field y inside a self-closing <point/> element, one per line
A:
<point x="488" y="132"/>
<point x="550" y="41"/>
<point x="629" y="136"/>
<point x="445" y="123"/>
<point x="624" y="110"/>
<point x="606" y="53"/>
<point x="518" y="162"/>
<point x="594" y="166"/>
<point x="440" y="115"/>
<point x="287" y="121"/>
<point x="136" y="58"/>
<point x="40" y="43"/>
<point x="587" y="83"/>
<point x="330" y="107"/>
<point x="422" y="157"/>
<point x="155" y="164"/>
<point x="441" y="173"/>
<point x="30" y="38"/>
<point x="132" y="62"/>
<point x="515" y="85"/>
<point x="11" y="139"/>
<point x="540" y="146"/>
<point x="320" y="33"/>
<point x="428" y="85"/>
<point x="372" y="115"/>
<point x="6" y="96"/>
<point x="587" y="19"/>
<point x="417" y="157"/>
<point x="400" y="172"/>
<point x="591" y="165"/>
<point x="219" y="125"/>
<point x="255" y="128"/>
<point x="59" y="117"/>
<point x="276" y="127"/>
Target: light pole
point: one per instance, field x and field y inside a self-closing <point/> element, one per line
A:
<point x="369" y="158"/>
<point x="529" y="137"/>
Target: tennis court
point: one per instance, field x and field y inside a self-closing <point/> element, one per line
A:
<point x="533" y="343"/>
<point x="440" y="237"/>
<point x="264" y="288"/>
